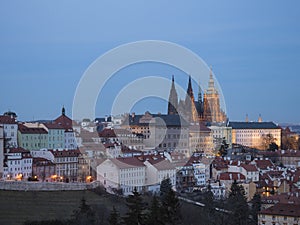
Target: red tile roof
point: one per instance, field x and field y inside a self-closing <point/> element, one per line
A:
<point x="282" y="209"/>
<point x="107" y="133"/>
<point x="64" y="121"/>
<point x="264" y="164"/>
<point x="31" y="130"/>
<point x="7" y="120"/>
<point x="231" y="176"/>
<point x="249" y="167"/>
<point x="54" y="126"/>
<point x="127" y="162"/>
<point x="17" y="150"/>
<point x="65" y="153"/>
<point x="286" y="198"/>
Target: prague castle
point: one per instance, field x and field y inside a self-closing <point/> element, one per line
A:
<point x="206" y="108"/>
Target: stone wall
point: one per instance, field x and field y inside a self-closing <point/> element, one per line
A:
<point x="46" y="186"/>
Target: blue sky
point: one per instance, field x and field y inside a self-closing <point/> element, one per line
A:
<point x="253" y="46"/>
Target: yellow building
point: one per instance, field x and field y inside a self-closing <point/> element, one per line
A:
<point x="255" y="134"/>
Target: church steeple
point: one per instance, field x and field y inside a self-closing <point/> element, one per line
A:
<point x="200" y="99"/>
<point x="190" y="103"/>
<point x="190" y="89"/>
<point x="211" y="83"/>
<point x="173" y="99"/>
<point x="63" y="111"/>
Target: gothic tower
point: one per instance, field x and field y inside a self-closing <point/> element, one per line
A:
<point x="190" y="107"/>
<point x="212" y="111"/>
<point x="173" y="99"/>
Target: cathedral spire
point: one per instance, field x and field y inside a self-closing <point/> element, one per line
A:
<point x="200" y="99"/>
<point x="190" y="102"/>
<point x="190" y="89"/>
<point x="173" y="99"/>
<point x="211" y="84"/>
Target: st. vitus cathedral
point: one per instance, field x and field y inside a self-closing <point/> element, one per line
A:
<point x="206" y="108"/>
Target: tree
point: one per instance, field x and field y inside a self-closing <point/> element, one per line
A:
<point x="209" y="213"/>
<point x="154" y="215"/>
<point x="256" y="207"/>
<point x="136" y="208"/>
<point x="223" y="148"/>
<point x="85" y="215"/>
<point x="170" y="203"/>
<point x="114" y="217"/>
<point x="165" y="186"/>
<point x="267" y="140"/>
<point x="273" y="146"/>
<point x="237" y="204"/>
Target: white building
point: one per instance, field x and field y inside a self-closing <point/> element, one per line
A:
<point x="221" y="132"/>
<point x="158" y="170"/>
<point x="10" y="128"/>
<point x="70" y="139"/>
<point x="218" y="190"/>
<point x="17" y="164"/>
<point x="1" y="151"/>
<point x="66" y="163"/>
<point x="122" y="174"/>
<point x="251" y="133"/>
<point x="250" y="171"/>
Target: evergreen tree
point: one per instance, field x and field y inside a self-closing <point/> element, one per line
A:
<point x="237" y="204"/>
<point x="170" y="203"/>
<point x="154" y="215"/>
<point x="135" y="204"/>
<point x="85" y="215"/>
<point x="114" y="217"/>
<point x="209" y="212"/>
<point x="165" y="186"/>
<point x="256" y="207"/>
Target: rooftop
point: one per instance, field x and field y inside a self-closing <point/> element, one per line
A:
<point x="253" y="125"/>
<point x="282" y="209"/>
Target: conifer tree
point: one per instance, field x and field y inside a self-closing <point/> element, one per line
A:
<point x="114" y="217"/>
<point x="237" y="204"/>
<point x="255" y="208"/>
<point x="209" y="208"/>
<point x="154" y="215"/>
<point x="85" y="215"/>
<point x="136" y="207"/>
<point x="170" y="203"/>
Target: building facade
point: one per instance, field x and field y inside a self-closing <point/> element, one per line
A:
<point x="66" y="162"/>
<point x="17" y="164"/>
<point x="32" y="138"/>
<point x="122" y="174"/>
<point x="10" y="131"/>
<point x="255" y="134"/>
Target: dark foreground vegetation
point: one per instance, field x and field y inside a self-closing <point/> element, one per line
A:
<point x="99" y="208"/>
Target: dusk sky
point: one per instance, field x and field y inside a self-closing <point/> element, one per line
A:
<point x="253" y="47"/>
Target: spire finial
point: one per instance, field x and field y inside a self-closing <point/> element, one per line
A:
<point x="172" y="78"/>
<point x="63" y="111"/>
<point x="259" y="118"/>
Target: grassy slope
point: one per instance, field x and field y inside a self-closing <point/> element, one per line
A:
<point x="17" y="207"/>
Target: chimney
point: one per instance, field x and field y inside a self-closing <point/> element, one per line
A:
<point x="247" y="119"/>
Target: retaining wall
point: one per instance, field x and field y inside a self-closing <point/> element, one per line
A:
<point x="46" y="186"/>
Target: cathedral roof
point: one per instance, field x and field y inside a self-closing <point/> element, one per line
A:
<point x="145" y="120"/>
<point x="253" y="125"/>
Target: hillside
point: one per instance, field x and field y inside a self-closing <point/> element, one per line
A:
<point x="17" y="206"/>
